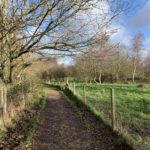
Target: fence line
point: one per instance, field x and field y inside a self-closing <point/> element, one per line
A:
<point x="3" y="100"/>
<point x="13" y="100"/>
<point x="113" y="109"/>
<point x="119" y="107"/>
<point x="112" y="102"/>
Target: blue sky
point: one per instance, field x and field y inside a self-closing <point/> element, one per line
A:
<point x="136" y="20"/>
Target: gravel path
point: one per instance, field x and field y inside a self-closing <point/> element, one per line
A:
<point x="63" y="127"/>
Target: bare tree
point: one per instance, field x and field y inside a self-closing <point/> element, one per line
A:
<point x="94" y="62"/>
<point x="137" y="47"/>
<point x="34" y="25"/>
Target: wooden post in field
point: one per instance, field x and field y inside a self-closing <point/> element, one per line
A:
<point x="113" y="109"/>
<point x="2" y="99"/>
<point x="5" y="100"/>
<point x="74" y="88"/>
<point x="84" y="93"/>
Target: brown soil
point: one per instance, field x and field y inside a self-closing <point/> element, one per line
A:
<point x="15" y="136"/>
<point x="64" y="127"/>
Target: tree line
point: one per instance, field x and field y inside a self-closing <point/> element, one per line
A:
<point x="108" y="62"/>
<point x="31" y="26"/>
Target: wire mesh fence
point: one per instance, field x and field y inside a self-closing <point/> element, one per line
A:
<point x="126" y="108"/>
<point x="13" y="99"/>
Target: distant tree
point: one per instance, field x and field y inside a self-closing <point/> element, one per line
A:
<point x="34" y="25"/>
<point x="94" y="62"/>
<point x="137" y="48"/>
<point x="146" y="67"/>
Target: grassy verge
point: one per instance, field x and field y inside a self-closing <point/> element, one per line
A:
<point x="78" y="103"/>
<point x="132" y="109"/>
<point x="19" y="132"/>
<point x="27" y="143"/>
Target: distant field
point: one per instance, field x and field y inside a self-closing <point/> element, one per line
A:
<point x="132" y="109"/>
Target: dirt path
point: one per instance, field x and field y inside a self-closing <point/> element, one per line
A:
<point x="62" y="128"/>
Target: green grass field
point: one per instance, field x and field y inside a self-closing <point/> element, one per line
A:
<point x="132" y="109"/>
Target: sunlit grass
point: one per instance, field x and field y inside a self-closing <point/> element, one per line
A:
<point x="132" y="108"/>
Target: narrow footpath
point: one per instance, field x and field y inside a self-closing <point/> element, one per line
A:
<point x="63" y="127"/>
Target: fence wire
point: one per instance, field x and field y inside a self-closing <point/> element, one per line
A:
<point x="132" y="109"/>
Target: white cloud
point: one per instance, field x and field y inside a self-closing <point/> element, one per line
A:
<point x="122" y="35"/>
<point x="103" y="13"/>
<point x="94" y="18"/>
<point x="147" y="42"/>
<point x="142" y="19"/>
<point x="67" y="61"/>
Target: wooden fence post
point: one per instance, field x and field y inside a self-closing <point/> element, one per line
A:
<point x="12" y="108"/>
<point x="74" y="88"/>
<point x="5" y="100"/>
<point x="2" y="100"/>
<point x="113" y="109"/>
<point x="2" y="97"/>
<point x="84" y="93"/>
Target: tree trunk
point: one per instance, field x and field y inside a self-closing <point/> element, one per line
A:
<point x="117" y="77"/>
<point x="112" y="81"/>
<point x="90" y="81"/>
<point x="133" y="75"/>
<point x="10" y="78"/>
<point x="100" y="78"/>
<point x="95" y="79"/>
<point x="11" y="67"/>
<point x="2" y="75"/>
